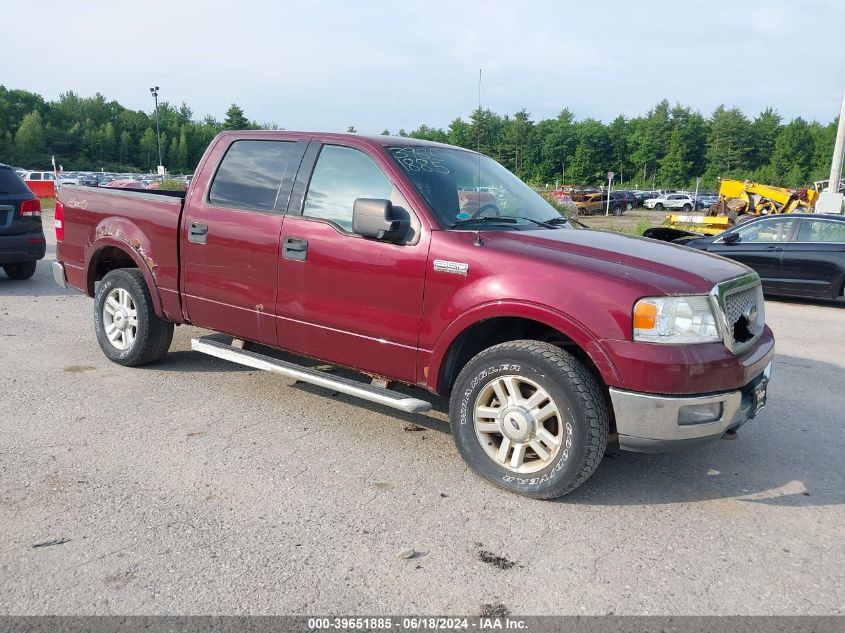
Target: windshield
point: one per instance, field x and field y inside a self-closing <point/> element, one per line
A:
<point x="464" y="189"/>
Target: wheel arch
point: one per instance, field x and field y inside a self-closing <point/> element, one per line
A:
<point x="110" y="253"/>
<point x="492" y="324"/>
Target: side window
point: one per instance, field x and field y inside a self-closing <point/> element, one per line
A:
<point x="341" y="175"/>
<point x="821" y="231"/>
<point x="35" y="176"/>
<point x="775" y="231"/>
<point x="250" y="175"/>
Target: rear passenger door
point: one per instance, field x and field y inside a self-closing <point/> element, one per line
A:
<point x="230" y="236"/>
<point x="814" y="262"/>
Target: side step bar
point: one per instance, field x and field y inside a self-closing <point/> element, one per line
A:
<point x="386" y="397"/>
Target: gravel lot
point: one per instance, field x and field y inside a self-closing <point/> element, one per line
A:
<point x="195" y="486"/>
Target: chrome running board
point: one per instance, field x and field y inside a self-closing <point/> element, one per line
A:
<point x="386" y="397"/>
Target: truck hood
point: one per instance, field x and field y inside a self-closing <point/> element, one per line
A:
<point x="669" y="267"/>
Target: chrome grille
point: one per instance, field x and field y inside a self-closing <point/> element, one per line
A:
<point x="743" y="311"/>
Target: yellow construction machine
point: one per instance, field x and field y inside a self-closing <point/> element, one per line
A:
<point x="738" y="198"/>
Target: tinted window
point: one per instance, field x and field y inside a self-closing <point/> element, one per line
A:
<point x="250" y="175"/>
<point x="341" y="175"/>
<point x="35" y="176"/>
<point x="772" y="231"/>
<point x="11" y="183"/>
<point x="821" y="231"/>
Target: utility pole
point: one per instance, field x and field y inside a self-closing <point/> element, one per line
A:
<point x="831" y="201"/>
<point x="839" y="148"/>
<point x="610" y="176"/>
<point x="154" y="92"/>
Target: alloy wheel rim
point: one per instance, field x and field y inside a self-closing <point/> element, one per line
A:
<point x="519" y="425"/>
<point x="120" y="319"/>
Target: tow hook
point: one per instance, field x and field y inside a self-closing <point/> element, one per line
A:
<point x="729" y="435"/>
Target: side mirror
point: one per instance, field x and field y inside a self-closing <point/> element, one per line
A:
<point x="374" y="218"/>
<point x="733" y="238"/>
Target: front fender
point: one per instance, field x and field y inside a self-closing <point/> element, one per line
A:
<point x="123" y="234"/>
<point x="564" y="324"/>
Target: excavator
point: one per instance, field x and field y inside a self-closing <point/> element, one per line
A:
<point x="744" y="199"/>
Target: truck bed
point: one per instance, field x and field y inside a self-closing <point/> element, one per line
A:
<point x="145" y="221"/>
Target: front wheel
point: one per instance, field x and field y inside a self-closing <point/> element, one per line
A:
<point x="658" y="206"/>
<point x="530" y="418"/>
<point x="617" y="210"/>
<point x="20" y="270"/>
<point x="127" y="328"/>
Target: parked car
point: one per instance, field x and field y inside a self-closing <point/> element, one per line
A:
<point x="795" y="254"/>
<point x="22" y="241"/>
<point x="38" y="175"/>
<point x="124" y="184"/>
<point x="642" y="196"/>
<point x="67" y="179"/>
<point x="629" y="198"/>
<point x="681" y="201"/>
<point x="596" y="203"/>
<point x="88" y="180"/>
<point x="354" y="250"/>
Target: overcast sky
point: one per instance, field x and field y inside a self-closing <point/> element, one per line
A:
<point x="325" y="65"/>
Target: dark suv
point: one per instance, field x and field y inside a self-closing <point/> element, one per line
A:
<point x="21" y="236"/>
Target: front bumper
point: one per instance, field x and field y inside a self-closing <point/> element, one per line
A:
<point x="650" y="423"/>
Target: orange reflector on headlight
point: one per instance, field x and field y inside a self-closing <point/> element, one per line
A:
<point x="645" y="316"/>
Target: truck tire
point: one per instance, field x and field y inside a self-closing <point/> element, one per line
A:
<point x="127" y="328"/>
<point x="529" y="417"/>
<point x="20" y="270"/>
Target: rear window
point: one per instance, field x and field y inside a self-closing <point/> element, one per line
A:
<point x="250" y="175"/>
<point x="11" y="183"/>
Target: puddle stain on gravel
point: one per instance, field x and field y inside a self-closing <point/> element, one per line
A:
<point x="119" y="580"/>
<point x="78" y="369"/>
<point x="495" y="560"/>
<point x="497" y="610"/>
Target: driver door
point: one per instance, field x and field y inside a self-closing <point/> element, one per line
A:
<point x="761" y="246"/>
<point x="344" y="299"/>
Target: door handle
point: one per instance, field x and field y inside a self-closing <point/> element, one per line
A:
<point x="198" y="233"/>
<point x="295" y="248"/>
<point x="773" y="248"/>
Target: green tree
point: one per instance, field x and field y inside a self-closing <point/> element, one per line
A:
<point x="235" y="119"/>
<point x="30" y="148"/>
<point x="792" y="157"/>
<point x="149" y="149"/>
<point x="729" y="143"/>
<point x="764" y="132"/>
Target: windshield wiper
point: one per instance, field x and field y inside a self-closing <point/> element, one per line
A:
<point x="486" y="219"/>
<point x="558" y="220"/>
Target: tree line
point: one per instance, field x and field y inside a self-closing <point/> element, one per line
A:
<point x="669" y="146"/>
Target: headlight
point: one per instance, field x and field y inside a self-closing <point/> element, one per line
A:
<point x="675" y="320"/>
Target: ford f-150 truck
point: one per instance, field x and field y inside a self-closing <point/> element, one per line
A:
<point x="357" y="252"/>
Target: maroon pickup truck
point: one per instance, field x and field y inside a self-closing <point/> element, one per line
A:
<point x="373" y="254"/>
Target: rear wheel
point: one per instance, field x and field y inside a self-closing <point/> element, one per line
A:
<point x="20" y="270"/>
<point x="529" y="417"/>
<point x="628" y="206"/>
<point x="687" y="207"/>
<point x="127" y="328"/>
<point x="617" y="210"/>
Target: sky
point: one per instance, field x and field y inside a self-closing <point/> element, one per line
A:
<point x="325" y="65"/>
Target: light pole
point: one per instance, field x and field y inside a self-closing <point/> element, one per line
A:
<point x="154" y="92"/>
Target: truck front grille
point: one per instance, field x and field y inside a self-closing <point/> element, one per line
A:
<point x="741" y="303"/>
